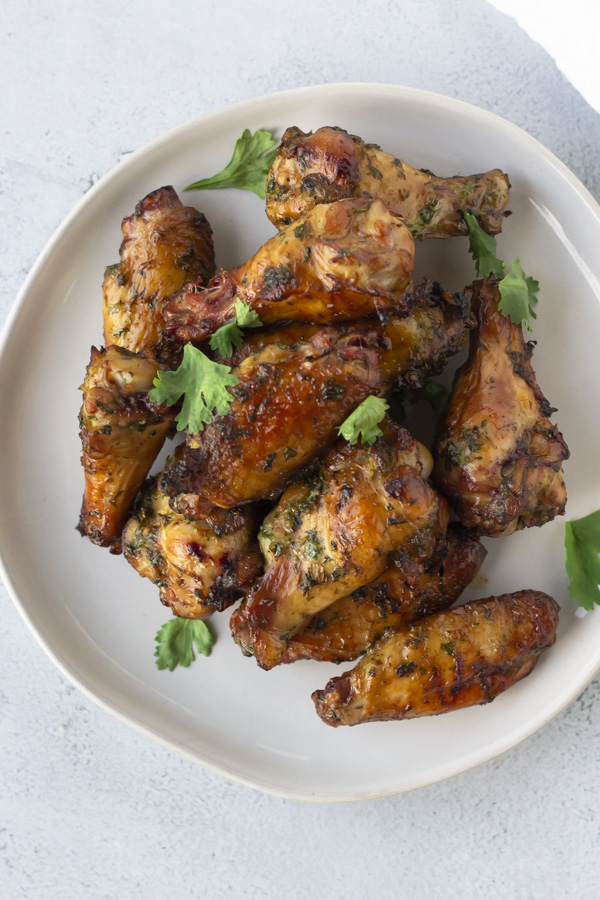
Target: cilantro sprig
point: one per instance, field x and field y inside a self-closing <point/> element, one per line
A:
<point x="582" y="559"/>
<point x="229" y="336"/>
<point x="176" y="641"/>
<point x="364" y="422"/>
<point x="204" y="384"/>
<point x="248" y="167"/>
<point x="517" y="291"/>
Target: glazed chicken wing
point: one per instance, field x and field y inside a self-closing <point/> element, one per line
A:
<point x="121" y="433"/>
<point x="459" y="658"/>
<point x="165" y="244"/>
<point x="339" y="261"/>
<point x="348" y="627"/>
<point x="338" y="531"/>
<point x="331" y="164"/>
<point x="296" y="387"/>
<point x="200" y="565"/>
<point x="498" y="456"/>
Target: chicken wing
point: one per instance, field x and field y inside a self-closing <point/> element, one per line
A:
<point x="296" y="387"/>
<point x="331" y="164"/>
<point x="498" y="456"/>
<point x="348" y="627"/>
<point x="199" y="565"/>
<point x="165" y="244"/>
<point x="459" y="658"/>
<point x="121" y="433"/>
<point x="338" y="531"/>
<point x="340" y="261"/>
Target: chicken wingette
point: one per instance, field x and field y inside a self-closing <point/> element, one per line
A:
<point x="333" y="533"/>
<point x="199" y="565"/>
<point x="331" y="164"/>
<point x="121" y="433"/>
<point x="498" y="458"/>
<point x="348" y="627"/>
<point x="296" y="387"/>
<point x="454" y="659"/>
<point x="165" y="244"/>
<point x="340" y="261"/>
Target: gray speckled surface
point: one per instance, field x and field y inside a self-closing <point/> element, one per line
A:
<point x="90" y="808"/>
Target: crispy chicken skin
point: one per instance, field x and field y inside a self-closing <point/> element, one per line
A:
<point x="200" y="565"/>
<point x="165" y="244"/>
<point x="296" y="387"/>
<point x="331" y="534"/>
<point x="121" y="433"/>
<point x="454" y="659"/>
<point x="339" y="261"/>
<point x="498" y="456"/>
<point x="331" y="164"/>
<point x="348" y="627"/>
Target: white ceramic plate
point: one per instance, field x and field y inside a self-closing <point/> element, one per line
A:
<point x="95" y="616"/>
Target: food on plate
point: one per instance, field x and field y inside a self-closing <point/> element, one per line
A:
<point x="165" y="244"/>
<point x="454" y="659"/>
<point x="348" y="627"/>
<point x="200" y="564"/>
<point x="297" y="384"/>
<point x="367" y="506"/>
<point x="498" y="458"/>
<point x="331" y="164"/>
<point x="122" y="433"/>
<point x="339" y="261"/>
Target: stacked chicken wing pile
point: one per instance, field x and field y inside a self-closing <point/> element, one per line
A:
<point x="335" y="549"/>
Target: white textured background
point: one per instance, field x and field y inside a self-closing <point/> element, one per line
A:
<point x="91" y="809"/>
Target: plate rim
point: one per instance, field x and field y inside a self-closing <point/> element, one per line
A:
<point x="431" y="98"/>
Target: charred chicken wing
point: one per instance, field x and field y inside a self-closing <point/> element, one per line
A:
<point x="331" y="164"/>
<point x="339" y="261"/>
<point x="348" y="627"/>
<point x="459" y="658"/>
<point x="200" y="565"/>
<point x="165" y="244"/>
<point x="338" y="531"/>
<point x="498" y="456"/>
<point x="121" y="433"/>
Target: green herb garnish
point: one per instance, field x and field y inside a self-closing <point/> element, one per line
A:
<point x="248" y="167"/>
<point x="229" y="336"/>
<point x="517" y="292"/>
<point x="176" y="640"/>
<point x="364" y="421"/>
<point x="582" y="560"/>
<point x="203" y="382"/>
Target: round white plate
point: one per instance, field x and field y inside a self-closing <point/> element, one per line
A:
<point x="96" y="617"/>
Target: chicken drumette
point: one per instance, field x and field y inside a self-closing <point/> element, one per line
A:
<point x="366" y="507"/>
<point x="498" y="458"/>
<point x="331" y="164"/>
<point x="339" y="261"/>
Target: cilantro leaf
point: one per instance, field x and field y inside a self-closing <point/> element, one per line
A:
<point x="517" y="292"/>
<point x="176" y="640"/>
<point x="518" y="295"/>
<point x="364" y="421"/>
<point x="229" y="336"/>
<point x="205" y="384"/>
<point x="482" y="248"/>
<point x="248" y="167"/>
<point x="582" y="560"/>
<point x="431" y="392"/>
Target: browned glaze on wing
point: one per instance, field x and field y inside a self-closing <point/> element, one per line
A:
<point x="165" y="245"/>
<point x="498" y="456"/>
<point x="121" y="433"/>
<point x="199" y="565"/>
<point x="348" y="627"/>
<point x="340" y="261"/>
<point x="454" y="659"/>
<point x="331" y="164"/>
<point x="294" y="394"/>
<point x="338" y="531"/>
